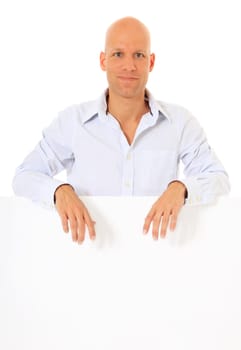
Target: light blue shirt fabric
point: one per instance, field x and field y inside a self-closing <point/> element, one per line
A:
<point x="90" y="145"/>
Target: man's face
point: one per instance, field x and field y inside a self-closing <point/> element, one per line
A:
<point x="127" y="60"/>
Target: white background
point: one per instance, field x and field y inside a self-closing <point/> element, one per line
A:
<point x="49" y="60"/>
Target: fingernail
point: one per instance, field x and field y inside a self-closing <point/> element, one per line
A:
<point x="144" y="232"/>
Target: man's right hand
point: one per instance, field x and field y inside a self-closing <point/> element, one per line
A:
<point x="73" y="214"/>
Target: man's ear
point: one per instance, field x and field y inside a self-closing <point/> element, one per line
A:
<point x="152" y="61"/>
<point x="102" y="61"/>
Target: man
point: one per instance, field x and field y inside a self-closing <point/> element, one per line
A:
<point x="125" y="143"/>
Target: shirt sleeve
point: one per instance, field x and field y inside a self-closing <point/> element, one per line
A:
<point x="34" y="178"/>
<point x="205" y="177"/>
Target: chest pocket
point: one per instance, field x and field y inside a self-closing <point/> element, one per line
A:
<point x="155" y="169"/>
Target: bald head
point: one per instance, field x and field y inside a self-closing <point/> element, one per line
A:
<point x="127" y="59"/>
<point x="127" y="28"/>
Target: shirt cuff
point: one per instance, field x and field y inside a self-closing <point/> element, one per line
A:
<point x="47" y="196"/>
<point x="194" y="193"/>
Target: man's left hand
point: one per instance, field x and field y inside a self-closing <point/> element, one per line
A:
<point x="165" y="210"/>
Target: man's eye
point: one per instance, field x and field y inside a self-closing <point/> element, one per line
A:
<point x="139" y="55"/>
<point x="117" y="54"/>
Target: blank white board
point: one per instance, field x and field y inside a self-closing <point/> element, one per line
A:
<point x="124" y="290"/>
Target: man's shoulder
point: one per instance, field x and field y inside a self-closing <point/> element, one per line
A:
<point x="80" y="111"/>
<point x="173" y="111"/>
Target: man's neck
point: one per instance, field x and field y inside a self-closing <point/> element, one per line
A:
<point x="127" y="110"/>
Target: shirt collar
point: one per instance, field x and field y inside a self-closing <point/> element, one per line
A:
<point x="95" y="108"/>
<point x="99" y="108"/>
<point x="157" y="107"/>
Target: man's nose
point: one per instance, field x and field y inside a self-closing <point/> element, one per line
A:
<point x="129" y="63"/>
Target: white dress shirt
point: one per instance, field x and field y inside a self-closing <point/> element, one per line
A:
<point x="90" y="145"/>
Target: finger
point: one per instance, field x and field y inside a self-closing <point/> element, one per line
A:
<point x="148" y="221"/>
<point x="64" y="221"/>
<point x="81" y="230"/>
<point x="73" y="228"/>
<point x="156" y="226"/>
<point x="173" y="221"/>
<point x="164" y="224"/>
<point x="91" y="226"/>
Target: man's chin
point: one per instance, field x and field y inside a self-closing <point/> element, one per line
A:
<point x="128" y="93"/>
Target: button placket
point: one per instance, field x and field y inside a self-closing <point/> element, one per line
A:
<point x="128" y="171"/>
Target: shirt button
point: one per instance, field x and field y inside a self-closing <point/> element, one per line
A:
<point x="128" y="156"/>
<point x="127" y="184"/>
